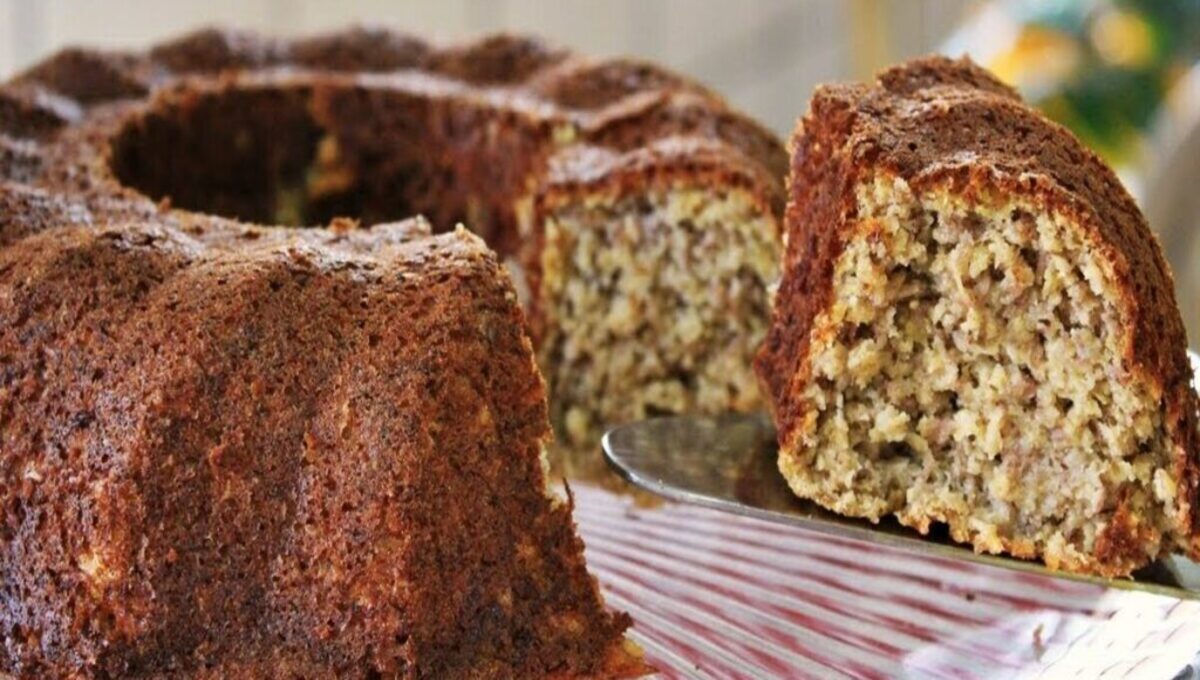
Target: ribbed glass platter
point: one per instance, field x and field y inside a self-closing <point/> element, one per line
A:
<point x="722" y="596"/>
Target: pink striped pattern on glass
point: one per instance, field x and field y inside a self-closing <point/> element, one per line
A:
<point x="720" y="596"/>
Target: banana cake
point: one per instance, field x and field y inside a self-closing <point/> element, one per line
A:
<point x="976" y="327"/>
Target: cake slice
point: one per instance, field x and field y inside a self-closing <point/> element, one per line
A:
<point x="975" y="327"/>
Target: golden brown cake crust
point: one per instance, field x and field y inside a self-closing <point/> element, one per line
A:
<point x="938" y="121"/>
<point x="194" y="481"/>
<point x="241" y="450"/>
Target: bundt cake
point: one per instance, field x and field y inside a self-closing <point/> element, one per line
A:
<point x="975" y="327"/>
<point x="233" y="448"/>
<point x="639" y="210"/>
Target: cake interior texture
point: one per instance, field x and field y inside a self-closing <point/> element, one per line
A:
<point x="970" y="372"/>
<point x="655" y="303"/>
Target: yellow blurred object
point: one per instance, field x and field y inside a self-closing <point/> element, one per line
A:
<point x="1122" y="38"/>
<point x="868" y="24"/>
<point x="1037" y="59"/>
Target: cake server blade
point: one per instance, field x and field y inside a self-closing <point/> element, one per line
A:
<point x="728" y="463"/>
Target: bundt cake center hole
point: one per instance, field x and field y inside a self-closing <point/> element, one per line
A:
<point x="293" y="156"/>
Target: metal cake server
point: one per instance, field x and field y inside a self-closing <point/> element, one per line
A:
<point x="728" y="463"/>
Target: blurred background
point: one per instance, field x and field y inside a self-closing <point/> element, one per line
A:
<point x="1123" y="74"/>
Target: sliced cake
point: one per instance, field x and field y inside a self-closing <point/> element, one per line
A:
<point x="975" y="327"/>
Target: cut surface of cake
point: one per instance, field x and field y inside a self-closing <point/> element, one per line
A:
<point x="650" y="295"/>
<point x="975" y="327"/>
